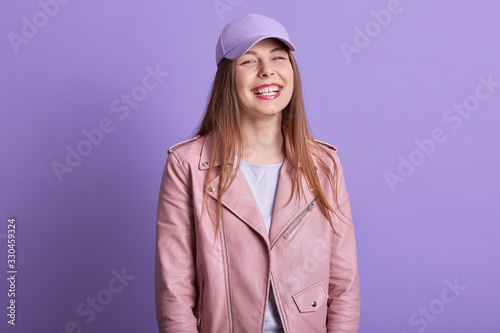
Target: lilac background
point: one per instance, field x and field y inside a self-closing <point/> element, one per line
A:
<point x="440" y="224"/>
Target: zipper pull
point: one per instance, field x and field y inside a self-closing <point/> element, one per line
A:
<point x="310" y="207"/>
<point x="299" y="218"/>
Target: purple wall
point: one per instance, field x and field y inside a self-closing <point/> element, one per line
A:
<point x="409" y="91"/>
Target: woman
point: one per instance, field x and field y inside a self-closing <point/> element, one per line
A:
<point x="254" y="230"/>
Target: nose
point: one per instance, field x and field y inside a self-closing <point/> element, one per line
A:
<point x="266" y="70"/>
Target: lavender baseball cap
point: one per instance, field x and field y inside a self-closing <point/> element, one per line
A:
<point x="239" y="35"/>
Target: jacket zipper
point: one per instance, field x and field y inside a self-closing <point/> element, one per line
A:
<point x="298" y="219"/>
<point x="228" y="277"/>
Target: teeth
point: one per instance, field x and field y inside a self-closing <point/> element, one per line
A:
<point x="266" y="91"/>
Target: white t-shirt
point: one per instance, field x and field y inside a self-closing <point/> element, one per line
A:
<point x="263" y="182"/>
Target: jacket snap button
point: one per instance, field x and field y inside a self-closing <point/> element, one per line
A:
<point x="314" y="304"/>
<point x="211" y="189"/>
<point x="204" y="163"/>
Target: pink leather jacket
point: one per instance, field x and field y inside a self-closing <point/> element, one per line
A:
<point x="207" y="282"/>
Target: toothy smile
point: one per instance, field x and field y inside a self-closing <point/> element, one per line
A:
<point x="267" y="90"/>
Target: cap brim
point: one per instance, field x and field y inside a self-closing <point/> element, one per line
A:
<point x="246" y="45"/>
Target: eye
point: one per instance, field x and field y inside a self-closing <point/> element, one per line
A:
<point x="246" y="62"/>
<point x="279" y="58"/>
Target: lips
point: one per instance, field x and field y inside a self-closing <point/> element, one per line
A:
<point x="267" y="91"/>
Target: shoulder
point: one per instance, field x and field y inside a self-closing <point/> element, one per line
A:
<point x="323" y="149"/>
<point x="189" y="146"/>
<point x="326" y="152"/>
<point x="187" y="151"/>
<point x="326" y="144"/>
<point x="190" y="143"/>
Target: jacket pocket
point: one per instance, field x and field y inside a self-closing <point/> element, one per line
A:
<point x="310" y="299"/>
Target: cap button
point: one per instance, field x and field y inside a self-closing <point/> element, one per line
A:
<point x="211" y="189"/>
<point x="204" y="163"/>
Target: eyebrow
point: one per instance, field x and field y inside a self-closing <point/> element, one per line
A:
<point x="279" y="48"/>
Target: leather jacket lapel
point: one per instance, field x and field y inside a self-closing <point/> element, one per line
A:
<point x="284" y="211"/>
<point x="238" y="198"/>
<point x="240" y="201"/>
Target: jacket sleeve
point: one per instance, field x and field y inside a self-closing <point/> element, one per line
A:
<point x="175" y="269"/>
<point x="343" y="295"/>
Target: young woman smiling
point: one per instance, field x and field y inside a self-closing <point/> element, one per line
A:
<point x="254" y="230"/>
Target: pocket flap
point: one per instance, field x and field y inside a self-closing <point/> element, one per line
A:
<point x="311" y="298"/>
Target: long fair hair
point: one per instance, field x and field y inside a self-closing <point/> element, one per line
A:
<point x="221" y="119"/>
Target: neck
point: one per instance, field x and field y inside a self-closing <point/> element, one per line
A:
<point x="263" y="141"/>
